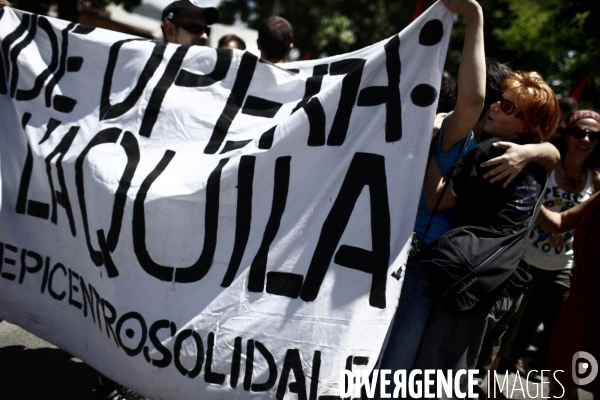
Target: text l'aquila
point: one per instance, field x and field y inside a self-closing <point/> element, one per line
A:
<point x="365" y="169"/>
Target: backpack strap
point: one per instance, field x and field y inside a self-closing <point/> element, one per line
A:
<point x="447" y="178"/>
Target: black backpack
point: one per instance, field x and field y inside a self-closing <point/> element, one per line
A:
<point x="467" y="263"/>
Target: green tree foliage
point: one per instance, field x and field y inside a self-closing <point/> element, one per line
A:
<point x="558" y="38"/>
<point x="328" y="26"/>
<point x="67" y="9"/>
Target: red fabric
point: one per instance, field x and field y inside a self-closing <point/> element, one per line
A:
<point x="418" y="10"/>
<point x="576" y="93"/>
<point x="578" y="327"/>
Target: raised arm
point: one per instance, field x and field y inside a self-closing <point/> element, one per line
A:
<point x="433" y="187"/>
<point x="471" y="75"/>
<point x="565" y="221"/>
<point x="516" y="157"/>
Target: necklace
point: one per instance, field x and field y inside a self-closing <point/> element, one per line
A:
<point x="573" y="181"/>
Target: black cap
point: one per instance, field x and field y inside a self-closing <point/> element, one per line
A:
<point x="184" y="8"/>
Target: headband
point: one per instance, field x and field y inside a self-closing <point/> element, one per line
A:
<point x="581" y="114"/>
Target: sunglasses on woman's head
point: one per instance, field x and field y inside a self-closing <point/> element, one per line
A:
<point x="510" y="108"/>
<point x="193" y="28"/>
<point x="579" y="133"/>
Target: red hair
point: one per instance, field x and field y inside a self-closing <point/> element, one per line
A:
<point x="538" y="103"/>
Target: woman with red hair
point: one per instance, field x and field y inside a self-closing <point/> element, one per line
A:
<point x="527" y="113"/>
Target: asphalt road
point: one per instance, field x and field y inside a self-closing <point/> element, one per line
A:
<point x="31" y="368"/>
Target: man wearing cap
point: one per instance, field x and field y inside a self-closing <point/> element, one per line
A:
<point x="186" y="22"/>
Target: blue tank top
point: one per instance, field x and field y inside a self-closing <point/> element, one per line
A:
<point x="442" y="221"/>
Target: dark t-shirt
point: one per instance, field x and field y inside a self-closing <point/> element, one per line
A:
<point x="489" y="205"/>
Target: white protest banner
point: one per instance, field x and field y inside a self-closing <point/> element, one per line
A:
<point x="199" y="223"/>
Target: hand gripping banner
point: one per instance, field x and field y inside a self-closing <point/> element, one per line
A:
<point x="200" y="223"/>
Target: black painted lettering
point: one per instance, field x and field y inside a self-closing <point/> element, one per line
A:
<point x="61" y="103"/>
<point x="284" y="284"/>
<point x="110" y="111"/>
<point x="272" y="379"/>
<point x="6" y="43"/>
<point x="109" y="320"/>
<point x="266" y="139"/>
<point x="189" y="79"/>
<point x="388" y="95"/>
<point x="98" y="305"/>
<point x="31" y="269"/>
<point x="16" y="50"/>
<point x="130" y="333"/>
<point x="236" y="360"/>
<point x="200" y="268"/>
<point x="249" y="365"/>
<point x="51" y="290"/>
<point x="181" y="337"/>
<point x="314" y="376"/>
<point x="234" y="102"/>
<point x="358" y="360"/>
<point x="167" y="357"/>
<point x="293" y="363"/>
<point x="259" y="107"/>
<point x="352" y="68"/>
<point x="61" y="197"/>
<point x="35" y="91"/>
<point x="108" y="244"/>
<point x="243" y="217"/>
<point x="209" y="375"/>
<point x="211" y="223"/>
<point x="109" y="135"/>
<point x="317" y="120"/>
<point x="159" y="92"/>
<point x="88" y="298"/>
<point x="365" y="170"/>
<point x="50" y="128"/>
<point x="46" y="273"/>
<point x="73" y="288"/>
<point x="5" y="260"/>
<point x="312" y="106"/>
<point x="21" y="206"/>
<point x="256" y="276"/>
<point x="3" y="72"/>
<point x="164" y="273"/>
<point x="131" y="148"/>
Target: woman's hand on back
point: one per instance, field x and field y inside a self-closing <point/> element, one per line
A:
<point x="509" y="165"/>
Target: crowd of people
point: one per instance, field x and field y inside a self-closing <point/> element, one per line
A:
<point x="504" y="150"/>
<point x="184" y="22"/>
<point x="512" y="178"/>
